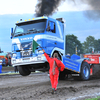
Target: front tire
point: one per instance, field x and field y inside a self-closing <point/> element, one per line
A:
<point x="24" y="70"/>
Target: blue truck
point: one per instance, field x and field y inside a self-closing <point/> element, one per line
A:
<point x="49" y="34"/>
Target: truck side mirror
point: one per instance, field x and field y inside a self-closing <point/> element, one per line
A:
<point x="12" y="34"/>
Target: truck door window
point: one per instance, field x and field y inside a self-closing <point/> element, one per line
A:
<point x="51" y="27"/>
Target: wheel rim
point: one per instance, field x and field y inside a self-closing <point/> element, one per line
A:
<point x="85" y="71"/>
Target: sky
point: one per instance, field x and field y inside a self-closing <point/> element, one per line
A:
<point x="28" y="7"/>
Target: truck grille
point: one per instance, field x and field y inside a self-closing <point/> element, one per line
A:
<point x="27" y="53"/>
<point x="26" y="45"/>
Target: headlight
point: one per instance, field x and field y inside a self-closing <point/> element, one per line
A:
<point x="40" y="51"/>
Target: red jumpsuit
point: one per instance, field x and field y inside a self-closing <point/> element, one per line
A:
<point x="54" y="77"/>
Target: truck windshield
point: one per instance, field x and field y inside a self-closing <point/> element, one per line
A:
<point x="30" y="27"/>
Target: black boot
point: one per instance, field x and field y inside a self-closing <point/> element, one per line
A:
<point x="53" y="91"/>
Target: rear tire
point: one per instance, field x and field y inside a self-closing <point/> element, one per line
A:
<point x="85" y="72"/>
<point x="24" y="70"/>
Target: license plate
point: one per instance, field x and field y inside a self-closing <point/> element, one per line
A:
<point x="26" y="54"/>
<point x="26" y="60"/>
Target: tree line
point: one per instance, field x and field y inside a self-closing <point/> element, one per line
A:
<point x="74" y="46"/>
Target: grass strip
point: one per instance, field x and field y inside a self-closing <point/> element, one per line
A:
<point x="97" y="98"/>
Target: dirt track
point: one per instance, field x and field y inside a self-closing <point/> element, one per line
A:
<point x="6" y="69"/>
<point x="37" y="87"/>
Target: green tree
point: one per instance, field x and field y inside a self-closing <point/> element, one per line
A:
<point x="72" y="43"/>
<point x="91" y="44"/>
<point x="97" y="46"/>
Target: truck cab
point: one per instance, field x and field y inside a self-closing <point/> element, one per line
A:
<point x="47" y="32"/>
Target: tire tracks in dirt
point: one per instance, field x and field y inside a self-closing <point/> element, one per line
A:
<point x="38" y="87"/>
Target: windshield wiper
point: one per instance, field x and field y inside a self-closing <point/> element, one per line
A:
<point x="36" y="31"/>
<point x="32" y="30"/>
<point x="40" y="30"/>
<point x="15" y="35"/>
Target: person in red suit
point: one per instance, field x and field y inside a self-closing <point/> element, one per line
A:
<point x="55" y="66"/>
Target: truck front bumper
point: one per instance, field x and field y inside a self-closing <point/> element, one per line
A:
<point x="28" y="60"/>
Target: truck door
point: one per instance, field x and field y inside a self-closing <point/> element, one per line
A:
<point x="52" y="38"/>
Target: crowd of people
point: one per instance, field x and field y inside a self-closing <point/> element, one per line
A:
<point x="6" y="59"/>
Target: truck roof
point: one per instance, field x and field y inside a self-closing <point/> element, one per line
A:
<point x="31" y="20"/>
<point x="37" y="19"/>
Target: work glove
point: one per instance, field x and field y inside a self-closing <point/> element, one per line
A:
<point x="43" y="50"/>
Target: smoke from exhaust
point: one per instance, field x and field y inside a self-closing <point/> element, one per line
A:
<point x="93" y="6"/>
<point x="47" y="7"/>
